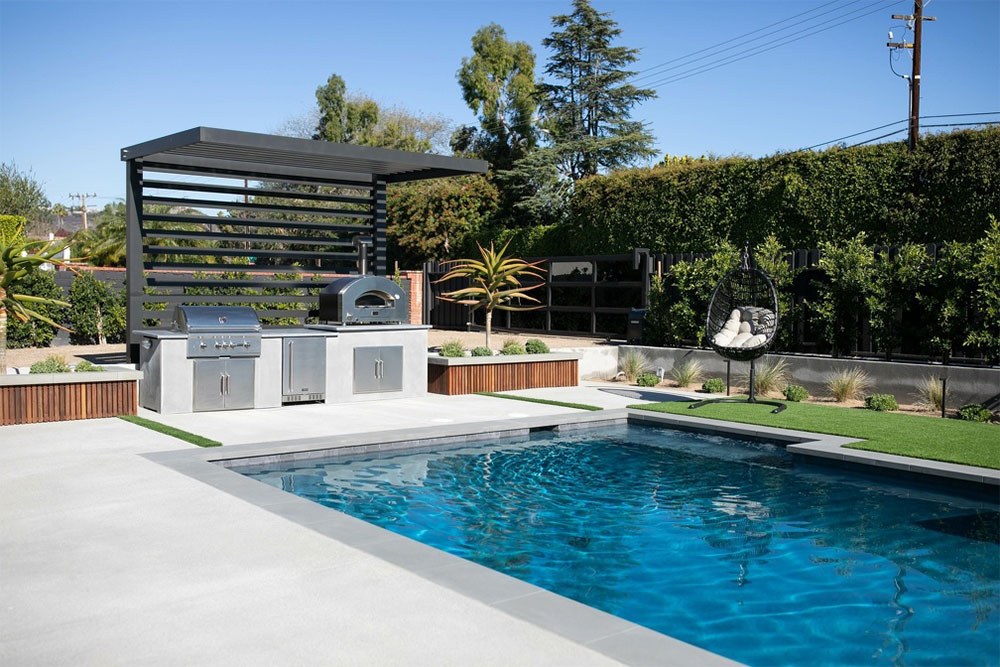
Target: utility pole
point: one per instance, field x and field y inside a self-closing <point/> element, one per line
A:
<point x="83" y="206"/>
<point x="915" y="21"/>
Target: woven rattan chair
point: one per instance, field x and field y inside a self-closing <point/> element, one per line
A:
<point x="742" y="321"/>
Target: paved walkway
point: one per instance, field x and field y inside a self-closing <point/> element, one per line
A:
<point x="107" y="558"/>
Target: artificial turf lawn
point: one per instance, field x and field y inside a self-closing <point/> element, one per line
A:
<point x="933" y="438"/>
<point x="170" y="430"/>
<point x="578" y="406"/>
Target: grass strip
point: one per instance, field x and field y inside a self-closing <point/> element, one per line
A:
<point x="544" y="401"/>
<point x="949" y="440"/>
<point x="170" y="430"/>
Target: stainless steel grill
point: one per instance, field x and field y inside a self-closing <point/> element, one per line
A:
<point x="219" y="331"/>
<point x="363" y="300"/>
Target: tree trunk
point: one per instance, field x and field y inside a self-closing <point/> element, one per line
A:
<point x="489" y="325"/>
<point x="3" y="339"/>
<point x="100" y="328"/>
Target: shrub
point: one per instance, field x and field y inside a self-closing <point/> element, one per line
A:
<point x="535" y="346"/>
<point x="452" y="348"/>
<point x="87" y="367"/>
<point x="678" y="302"/>
<point x="632" y="364"/>
<point x="481" y="351"/>
<point x="647" y="380"/>
<point x="687" y="373"/>
<point x="847" y="384"/>
<point x="512" y="347"/>
<point x="714" y="386"/>
<point x="895" y="281"/>
<point x="881" y="403"/>
<point x="974" y="412"/>
<point x="769" y="376"/>
<point x="12" y="228"/>
<point x="846" y="282"/>
<point x="930" y="394"/>
<point x="796" y="393"/>
<point x="34" y="332"/>
<point x="52" y="364"/>
<point x="98" y="312"/>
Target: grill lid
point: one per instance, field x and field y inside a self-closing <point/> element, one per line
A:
<point x="210" y="319"/>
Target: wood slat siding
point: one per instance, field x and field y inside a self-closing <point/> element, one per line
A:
<point x="31" y="404"/>
<point x="452" y="380"/>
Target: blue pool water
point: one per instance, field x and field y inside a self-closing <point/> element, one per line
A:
<point x="726" y="544"/>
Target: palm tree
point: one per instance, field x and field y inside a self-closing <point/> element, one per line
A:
<point x="495" y="282"/>
<point x="18" y="258"/>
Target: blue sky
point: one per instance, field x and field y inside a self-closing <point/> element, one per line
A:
<point x="80" y="80"/>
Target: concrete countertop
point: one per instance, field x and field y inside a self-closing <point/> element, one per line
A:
<point x="69" y="378"/>
<point x="438" y="360"/>
<point x="168" y="334"/>
<point x="363" y="328"/>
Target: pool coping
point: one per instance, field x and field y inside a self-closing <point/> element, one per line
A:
<point x="604" y="633"/>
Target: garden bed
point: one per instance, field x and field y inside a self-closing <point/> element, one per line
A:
<point x="48" y="397"/>
<point x="469" y="375"/>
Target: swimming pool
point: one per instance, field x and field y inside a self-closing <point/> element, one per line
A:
<point x="727" y="544"/>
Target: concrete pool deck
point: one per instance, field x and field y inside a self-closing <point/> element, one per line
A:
<point x="108" y="557"/>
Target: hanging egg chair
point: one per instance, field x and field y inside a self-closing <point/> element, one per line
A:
<point x="742" y="321"/>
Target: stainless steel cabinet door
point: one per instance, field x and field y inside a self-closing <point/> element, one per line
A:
<point x="209" y="384"/>
<point x="239" y="383"/>
<point x="303" y="367"/>
<point x="366" y="376"/>
<point x="390" y="368"/>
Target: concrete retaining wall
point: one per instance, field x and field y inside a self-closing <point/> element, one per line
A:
<point x="965" y="384"/>
<point x="596" y="363"/>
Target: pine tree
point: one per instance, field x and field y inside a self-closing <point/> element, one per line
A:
<point x="587" y="110"/>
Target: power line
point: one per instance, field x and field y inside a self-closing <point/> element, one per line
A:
<point x="763" y="48"/>
<point x="738" y="44"/>
<point x="881" y="127"/>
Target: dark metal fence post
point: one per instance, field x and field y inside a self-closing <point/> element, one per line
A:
<point x="944" y="396"/>
<point x="727" y="376"/>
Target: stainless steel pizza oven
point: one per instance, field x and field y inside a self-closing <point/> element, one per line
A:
<point x="364" y="300"/>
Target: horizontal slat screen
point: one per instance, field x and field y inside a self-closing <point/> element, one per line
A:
<point x="472" y="378"/>
<point x="247" y="232"/>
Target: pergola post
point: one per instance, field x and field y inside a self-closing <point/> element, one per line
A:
<point x="133" y="255"/>
<point x="379" y="225"/>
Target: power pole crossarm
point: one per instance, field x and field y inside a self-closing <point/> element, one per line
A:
<point x="83" y="206"/>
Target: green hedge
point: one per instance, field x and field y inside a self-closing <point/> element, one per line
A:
<point x="946" y="305"/>
<point x="943" y="191"/>
<point x="35" y="333"/>
<point x="98" y="311"/>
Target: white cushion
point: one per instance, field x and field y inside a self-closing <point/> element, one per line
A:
<point x="744" y="327"/>
<point x="754" y="341"/>
<point x="739" y="340"/>
<point x="735" y="315"/>
<point x="722" y="338"/>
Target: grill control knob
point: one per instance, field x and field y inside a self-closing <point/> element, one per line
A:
<point x="217" y="345"/>
<point x="246" y="344"/>
<point x="202" y="345"/>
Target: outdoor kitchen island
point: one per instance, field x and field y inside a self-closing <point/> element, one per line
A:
<point x="352" y="363"/>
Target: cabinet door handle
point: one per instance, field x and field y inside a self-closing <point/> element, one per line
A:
<point x="228" y="378"/>
<point x="291" y="362"/>
<point x="222" y="384"/>
<point x="381" y="369"/>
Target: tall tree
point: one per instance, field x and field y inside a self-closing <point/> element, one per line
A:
<point x="498" y="84"/>
<point x="20" y="193"/>
<point x="357" y="119"/>
<point x="587" y="109"/>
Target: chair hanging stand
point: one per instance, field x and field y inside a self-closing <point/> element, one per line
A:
<point x="742" y="322"/>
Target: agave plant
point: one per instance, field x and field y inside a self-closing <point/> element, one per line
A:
<point x="496" y="281"/>
<point x="18" y="258"/>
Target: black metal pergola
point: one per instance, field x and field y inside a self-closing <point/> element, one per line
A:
<point x="275" y="227"/>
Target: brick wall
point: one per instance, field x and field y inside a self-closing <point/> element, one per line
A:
<point x="416" y="279"/>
